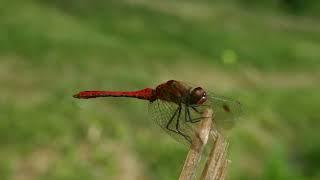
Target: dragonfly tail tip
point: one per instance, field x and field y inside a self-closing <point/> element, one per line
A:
<point x="76" y="96"/>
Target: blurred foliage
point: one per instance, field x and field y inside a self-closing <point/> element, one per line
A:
<point x="296" y="7"/>
<point x="264" y="53"/>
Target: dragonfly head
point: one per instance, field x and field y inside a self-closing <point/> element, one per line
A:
<point x="198" y="96"/>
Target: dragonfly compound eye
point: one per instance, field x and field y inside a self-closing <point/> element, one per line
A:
<point x="198" y="96"/>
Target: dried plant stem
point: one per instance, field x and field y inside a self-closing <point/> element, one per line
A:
<point x="216" y="165"/>
<point x="198" y="142"/>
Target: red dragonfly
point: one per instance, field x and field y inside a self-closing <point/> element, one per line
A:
<point x="176" y="107"/>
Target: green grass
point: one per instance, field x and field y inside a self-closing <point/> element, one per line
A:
<point x="49" y="50"/>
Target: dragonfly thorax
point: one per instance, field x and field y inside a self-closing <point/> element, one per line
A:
<point x="180" y="93"/>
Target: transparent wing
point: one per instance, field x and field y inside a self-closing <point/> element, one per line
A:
<point x="174" y="120"/>
<point x="226" y="111"/>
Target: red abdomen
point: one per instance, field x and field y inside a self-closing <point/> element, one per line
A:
<point x="146" y="94"/>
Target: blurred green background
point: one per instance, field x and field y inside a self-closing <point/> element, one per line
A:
<point x="264" y="53"/>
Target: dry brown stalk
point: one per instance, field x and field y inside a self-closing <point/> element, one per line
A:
<point x="217" y="162"/>
<point x="198" y="142"/>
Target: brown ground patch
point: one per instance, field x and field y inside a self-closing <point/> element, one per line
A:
<point x="34" y="165"/>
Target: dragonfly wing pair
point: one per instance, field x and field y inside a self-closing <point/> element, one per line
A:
<point x="226" y="111"/>
<point x="180" y="121"/>
<point x="173" y="119"/>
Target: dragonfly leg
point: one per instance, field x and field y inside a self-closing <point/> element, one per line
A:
<point x="171" y="119"/>
<point x="196" y="110"/>
<point x="187" y="113"/>
<point x="194" y="107"/>
<point x="193" y="120"/>
<point x="197" y="105"/>
<point x="177" y="127"/>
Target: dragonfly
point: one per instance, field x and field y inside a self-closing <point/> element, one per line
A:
<point x="177" y="107"/>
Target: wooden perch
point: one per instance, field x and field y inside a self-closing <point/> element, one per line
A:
<point x="216" y="165"/>
<point x="198" y="142"/>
